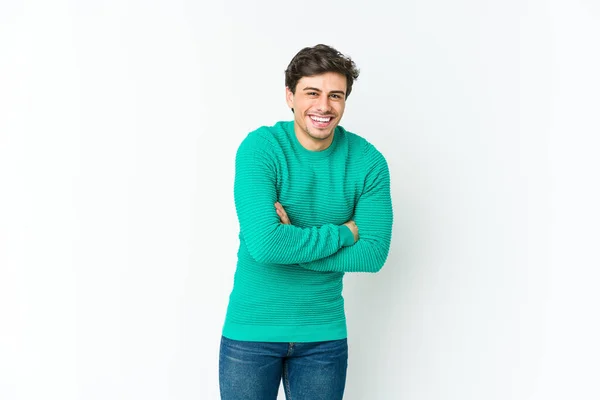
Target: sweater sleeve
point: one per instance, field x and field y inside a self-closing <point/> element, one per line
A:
<point x="373" y="215"/>
<point x="267" y="239"/>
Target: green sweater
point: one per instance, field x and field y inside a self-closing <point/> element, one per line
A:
<point x="288" y="282"/>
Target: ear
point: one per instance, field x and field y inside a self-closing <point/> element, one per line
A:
<point x="289" y="97"/>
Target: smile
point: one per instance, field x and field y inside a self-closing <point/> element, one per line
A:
<point x="320" y="119"/>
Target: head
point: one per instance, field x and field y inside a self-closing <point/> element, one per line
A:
<point x="318" y="81"/>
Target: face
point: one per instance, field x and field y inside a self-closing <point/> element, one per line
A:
<point x="318" y="105"/>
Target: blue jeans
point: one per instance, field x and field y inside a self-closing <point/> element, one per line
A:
<point x="310" y="371"/>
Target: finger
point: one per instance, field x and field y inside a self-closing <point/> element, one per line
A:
<point x="283" y="217"/>
<point x="281" y="209"/>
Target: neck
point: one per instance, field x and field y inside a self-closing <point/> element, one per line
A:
<point x="311" y="143"/>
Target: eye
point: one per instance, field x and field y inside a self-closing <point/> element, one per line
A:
<point x="336" y="96"/>
<point x="312" y="93"/>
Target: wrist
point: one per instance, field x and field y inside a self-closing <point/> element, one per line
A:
<point x="346" y="236"/>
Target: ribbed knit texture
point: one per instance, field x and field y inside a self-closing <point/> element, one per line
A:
<point x="288" y="281"/>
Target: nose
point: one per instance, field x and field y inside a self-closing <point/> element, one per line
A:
<point x="323" y="104"/>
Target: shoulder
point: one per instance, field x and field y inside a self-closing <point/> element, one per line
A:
<point x="361" y="146"/>
<point x="263" y="139"/>
<point x="260" y="137"/>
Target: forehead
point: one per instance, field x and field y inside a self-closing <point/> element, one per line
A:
<point x="326" y="82"/>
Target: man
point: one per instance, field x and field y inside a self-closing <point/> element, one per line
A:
<point x="303" y="190"/>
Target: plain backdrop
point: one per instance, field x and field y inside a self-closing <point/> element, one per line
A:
<point x="119" y="122"/>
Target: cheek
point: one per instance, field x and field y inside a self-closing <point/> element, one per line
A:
<point x="305" y="105"/>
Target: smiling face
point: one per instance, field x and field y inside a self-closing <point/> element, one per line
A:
<point x="318" y="106"/>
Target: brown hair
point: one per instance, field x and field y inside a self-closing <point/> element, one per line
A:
<point x="317" y="60"/>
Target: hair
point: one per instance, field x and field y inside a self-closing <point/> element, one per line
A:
<point x="317" y="60"/>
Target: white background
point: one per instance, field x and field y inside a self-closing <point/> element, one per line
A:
<point x="119" y="122"/>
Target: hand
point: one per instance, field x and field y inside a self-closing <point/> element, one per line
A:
<point x="282" y="214"/>
<point x="354" y="228"/>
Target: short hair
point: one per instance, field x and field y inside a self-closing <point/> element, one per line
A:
<point x="318" y="60"/>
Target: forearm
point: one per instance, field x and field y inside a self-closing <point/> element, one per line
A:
<point x="373" y="215"/>
<point x="287" y="244"/>
<point x="367" y="255"/>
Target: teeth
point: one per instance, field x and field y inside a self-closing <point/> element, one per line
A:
<point x="319" y="119"/>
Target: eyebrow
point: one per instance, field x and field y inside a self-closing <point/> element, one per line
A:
<point x="319" y="90"/>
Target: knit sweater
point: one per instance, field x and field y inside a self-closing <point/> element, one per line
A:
<point x="288" y="281"/>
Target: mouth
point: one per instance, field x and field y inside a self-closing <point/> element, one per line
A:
<point x="320" y="121"/>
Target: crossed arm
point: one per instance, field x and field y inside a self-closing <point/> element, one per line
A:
<point x="373" y="214"/>
<point x="283" y="217"/>
<point x="266" y="239"/>
<point x="328" y="247"/>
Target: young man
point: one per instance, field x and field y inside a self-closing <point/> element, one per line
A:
<point x="302" y="190"/>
